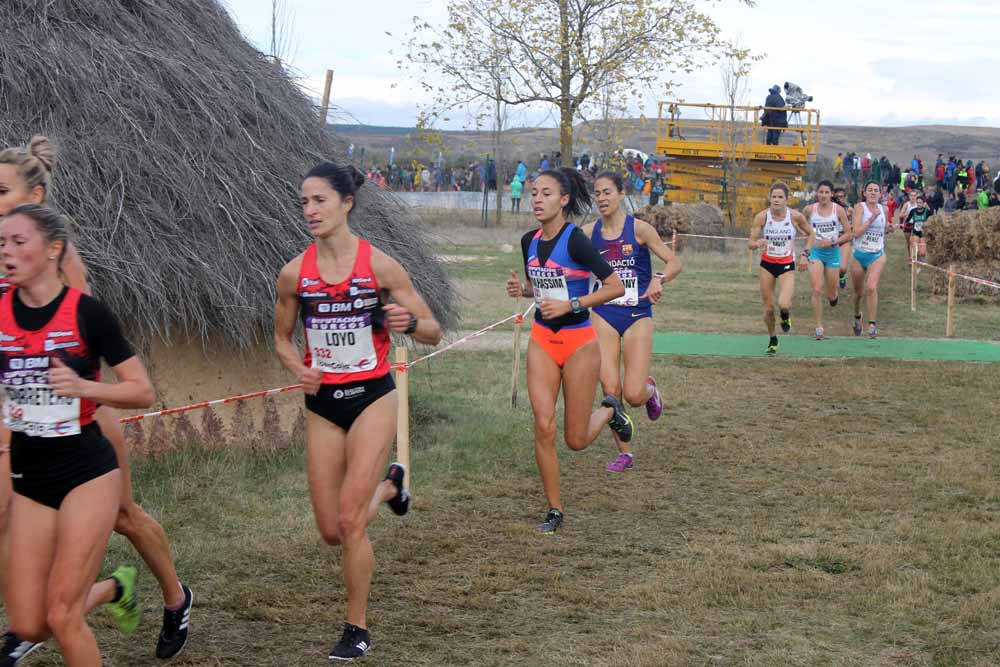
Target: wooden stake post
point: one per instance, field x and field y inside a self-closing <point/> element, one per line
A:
<point x="403" y="414"/>
<point x="516" y="367"/>
<point x="913" y="280"/>
<point x="949" y="329"/>
<point x="749" y="260"/>
<point x="324" y="110"/>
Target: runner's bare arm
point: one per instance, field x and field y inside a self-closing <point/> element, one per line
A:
<point x="133" y="389"/>
<point x="393" y="277"/>
<point x="649" y="237"/>
<point x="755" y="230"/>
<point x="286" y="310"/>
<point x="857" y="229"/>
<point x="800" y="221"/>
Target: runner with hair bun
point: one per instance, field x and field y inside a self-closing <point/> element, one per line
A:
<point x="65" y="474"/>
<point x="625" y="325"/>
<point x="349" y="296"/>
<point x="563" y="351"/>
<point x="26" y="178"/>
<point x="774" y="230"/>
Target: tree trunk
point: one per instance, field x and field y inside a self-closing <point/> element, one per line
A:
<point x="497" y="144"/>
<point x="566" y="110"/>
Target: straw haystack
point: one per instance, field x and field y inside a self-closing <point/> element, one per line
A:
<point x="686" y="219"/>
<point x="181" y="150"/>
<point x="971" y="241"/>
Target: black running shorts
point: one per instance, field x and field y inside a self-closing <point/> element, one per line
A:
<point x="775" y="269"/>
<point x="46" y="470"/>
<point x="342" y="404"/>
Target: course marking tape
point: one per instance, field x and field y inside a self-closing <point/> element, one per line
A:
<point x="280" y="390"/>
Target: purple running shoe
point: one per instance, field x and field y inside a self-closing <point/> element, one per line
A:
<point x="654" y="406"/>
<point x="620" y="464"/>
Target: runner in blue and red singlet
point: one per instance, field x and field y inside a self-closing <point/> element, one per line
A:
<point x="349" y="297"/>
<point x="563" y="352"/>
<point x="625" y="325"/>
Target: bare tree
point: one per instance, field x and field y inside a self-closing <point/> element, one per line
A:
<point x="281" y="31"/>
<point x="735" y="71"/>
<point x="560" y="52"/>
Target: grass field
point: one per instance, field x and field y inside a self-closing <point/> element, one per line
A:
<point x="806" y="513"/>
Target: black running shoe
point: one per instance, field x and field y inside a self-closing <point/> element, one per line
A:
<point x="399" y="503"/>
<point x="174" y="635"/>
<point x="620" y="422"/>
<point x="553" y="522"/>
<point x="786" y="325"/>
<point x="354" y="643"/>
<point x="14" y="649"/>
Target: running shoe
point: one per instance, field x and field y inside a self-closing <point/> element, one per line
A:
<point x="654" y="406"/>
<point x="174" y="633"/>
<point x="857" y="326"/>
<point x="786" y="325"/>
<point x="354" y="643"/>
<point x="620" y="422"/>
<point x="621" y="464"/>
<point x="819" y="333"/>
<point x="399" y="503"/>
<point x="843" y="282"/>
<point x="772" y="346"/>
<point x="126" y="610"/>
<point x="872" y="330"/>
<point x="553" y="522"/>
<point x="14" y="649"/>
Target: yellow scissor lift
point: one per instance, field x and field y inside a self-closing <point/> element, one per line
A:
<point x="709" y="148"/>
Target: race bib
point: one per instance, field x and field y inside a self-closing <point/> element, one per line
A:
<point x="35" y="409"/>
<point x="872" y="241"/>
<point x="779" y="246"/>
<point x="341" y="344"/>
<point x="631" y="281"/>
<point x="548" y="283"/>
<point x="827" y="230"/>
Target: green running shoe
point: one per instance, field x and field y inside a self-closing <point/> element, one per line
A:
<point x="126" y="611"/>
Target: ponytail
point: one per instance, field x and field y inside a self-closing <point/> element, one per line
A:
<point x="571" y="183"/>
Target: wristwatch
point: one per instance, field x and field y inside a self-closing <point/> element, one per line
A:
<point x="412" y="326"/>
<point x="576" y="306"/>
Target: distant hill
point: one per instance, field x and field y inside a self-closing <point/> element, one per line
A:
<point x="899" y="144"/>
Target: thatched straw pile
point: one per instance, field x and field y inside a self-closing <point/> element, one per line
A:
<point x="971" y="241"/>
<point x="686" y="219"/>
<point x="181" y="153"/>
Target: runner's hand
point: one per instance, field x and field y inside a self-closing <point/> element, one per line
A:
<point x="397" y="318"/>
<point x="514" y="289"/>
<point x="311" y="379"/>
<point x="551" y="308"/>
<point x="64" y="380"/>
<point x="654" y="291"/>
<point x="753" y="245"/>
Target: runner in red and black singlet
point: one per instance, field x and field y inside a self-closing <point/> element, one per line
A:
<point x="349" y="297"/>
<point x="774" y="232"/>
<point x="65" y="473"/>
<point x="26" y="178"/>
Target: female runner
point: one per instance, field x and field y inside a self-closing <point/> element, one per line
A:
<point x="563" y="352"/>
<point x="25" y="178"/>
<point x="625" y="325"/>
<point x="829" y="222"/>
<point x="340" y="288"/>
<point x="778" y="225"/>
<point x="66" y="481"/>
<point x="840" y="197"/>
<point x="871" y="224"/>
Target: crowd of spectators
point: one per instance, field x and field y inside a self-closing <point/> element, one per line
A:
<point x="953" y="183"/>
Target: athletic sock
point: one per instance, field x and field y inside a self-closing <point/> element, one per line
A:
<point x="119" y="591"/>
<point x="773" y="341"/>
<point x="834" y="301"/>
<point x="784" y="314"/>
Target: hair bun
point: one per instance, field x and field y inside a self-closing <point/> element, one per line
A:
<point x="42" y="150"/>
<point x="357" y="176"/>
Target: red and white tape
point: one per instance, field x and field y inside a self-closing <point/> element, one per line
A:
<point x="292" y="387"/>
<point x="972" y="279"/>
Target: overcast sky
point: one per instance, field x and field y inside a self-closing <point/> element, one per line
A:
<point x="866" y="63"/>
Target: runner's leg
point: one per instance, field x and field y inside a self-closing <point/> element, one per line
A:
<point x="544" y="379"/>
